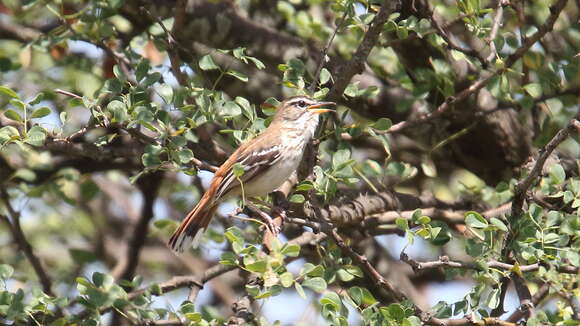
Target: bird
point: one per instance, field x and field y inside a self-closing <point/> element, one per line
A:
<point x="267" y="160"/>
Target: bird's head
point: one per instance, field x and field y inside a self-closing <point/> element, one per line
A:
<point x="302" y="110"/>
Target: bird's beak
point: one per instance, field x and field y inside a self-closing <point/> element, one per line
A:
<point x="318" y="107"/>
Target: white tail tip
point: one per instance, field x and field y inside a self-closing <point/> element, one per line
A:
<point x="185" y="240"/>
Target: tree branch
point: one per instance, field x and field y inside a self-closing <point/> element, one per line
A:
<point x="523" y="185"/>
<point x="352" y="211"/>
<point x="497" y="21"/>
<point x="538" y="297"/>
<point x="444" y="261"/>
<point x="346" y="71"/>
<point x="149" y="186"/>
<point x="483" y="81"/>
<point x="177" y="282"/>
<point x="450" y="42"/>
<point x="20" y="239"/>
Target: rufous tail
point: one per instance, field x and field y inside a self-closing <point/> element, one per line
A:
<point x="193" y="226"/>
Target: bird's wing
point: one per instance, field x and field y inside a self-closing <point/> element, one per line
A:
<point x="255" y="158"/>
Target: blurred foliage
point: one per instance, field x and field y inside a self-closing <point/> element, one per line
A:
<point x="93" y="106"/>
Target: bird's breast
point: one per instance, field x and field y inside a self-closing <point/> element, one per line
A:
<point x="275" y="176"/>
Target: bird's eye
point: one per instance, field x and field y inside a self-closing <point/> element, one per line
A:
<point x="302" y="104"/>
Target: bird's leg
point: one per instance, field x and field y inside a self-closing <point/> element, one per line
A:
<point x="280" y="206"/>
<point x="264" y="217"/>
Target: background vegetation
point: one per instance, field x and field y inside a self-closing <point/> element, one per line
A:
<point x="450" y="166"/>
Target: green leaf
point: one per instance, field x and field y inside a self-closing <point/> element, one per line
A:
<point x="312" y="270"/>
<point x="412" y="321"/>
<point x="142" y="69"/>
<point x="25" y="174"/>
<point x="290" y="250"/>
<point x="324" y="76"/>
<point x="417" y="213"/>
<point x="98" y="279"/>
<point x="234" y="234"/>
<point x="551" y="238"/>
<point x="8" y="133"/>
<point x="534" y="89"/>
<point x="300" y="290"/>
<point x="18" y="104"/>
<point x="429" y="168"/>
<point x="185" y="155"/>
<point x="228" y="108"/>
<point x="383" y="124"/>
<point x="228" y="258"/>
<point x="6" y="271"/>
<point x="331" y="299"/>
<point x="81" y="256"/>
<point x="493" y="299"/>
<point x="297" y="199"/>
<point x="118" y="111"/>
<point x="499" y="224"/>
<point x="151" y="155"/>
<point x="286" y="279"/>
<point x="259" y="64"/>
<point x="351" y="90"/>
<point x="349" y="272"/>
<point x="9" y="92"/>
<point x="237" y="75"/>
<point x="118" y="72"/>
<point x="84" y="282"/>
<point x="163" y="223"/>
<point x="151" y="79"/>
<point x="317" y="284"/>
<point x="402" y="223"/>
<point x="475" y="220"/>
<point x="424" y="220"/>
<point x="36" y="136"/>
<point x="238" y="170"/>
<point x="246" y="107"/>
<point x="193" y="317"/>
<point x="259" y="266"/>
<point x="339" y="158"/>
<point x="63" y="115"/>
<point x="39" y="97"/>
<point x="206" y="63"/>
<point x="396" y="311"/>
<point x="12" y="115"/>
<point x="557" y="173"/>
<point x="41" y="112"/>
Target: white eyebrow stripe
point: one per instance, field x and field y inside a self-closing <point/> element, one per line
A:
<point x="305" y="99"/>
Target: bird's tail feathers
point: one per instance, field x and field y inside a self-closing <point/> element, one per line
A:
<point x="192" y="227"/>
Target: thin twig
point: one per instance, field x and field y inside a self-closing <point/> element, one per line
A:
<point x="177" y="282"/>
<point x="444" y="261"/>
<point x="368" y="269"/>
<point x="523" y="185"/>
<point x="149" y="186"/>
<point x="538" y="297"/>
<point x="555" y="11"/>
<point x="497" y="21"/>
<point x="20" y="239"/>
<point x="325" y="52"/>
<point x="450" y="42"/>
<point x="355" y="66"/>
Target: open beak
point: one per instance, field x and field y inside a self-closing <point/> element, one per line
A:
<point x="318" y="107"/>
